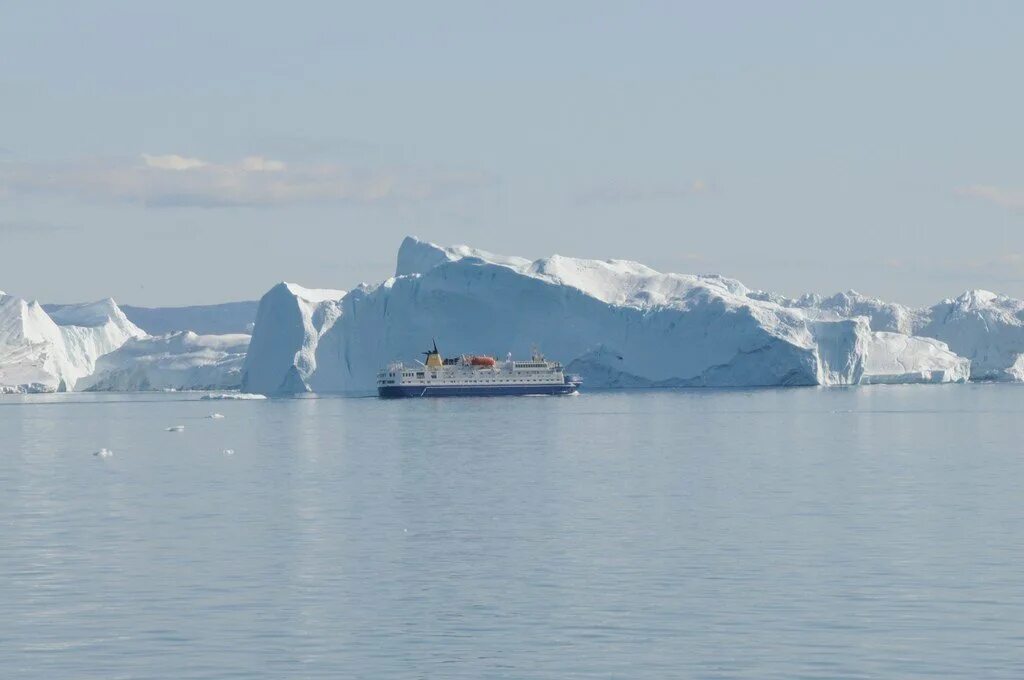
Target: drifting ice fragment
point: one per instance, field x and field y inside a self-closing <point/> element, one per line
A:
<point x="215" y="416"/>
<point x="232" y="395"/>
<point x="104" y="453"/>
<point x="228" y="452"/>
<point x="176" y="428"/>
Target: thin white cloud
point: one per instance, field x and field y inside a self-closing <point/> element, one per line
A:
<point x="1007" y="198"/>
<point x="171" y="180"/>
<point x="172" y="162"/>
<point x="631" y="193"/>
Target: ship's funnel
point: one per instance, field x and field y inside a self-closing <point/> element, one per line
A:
<point x="434" y="357"/>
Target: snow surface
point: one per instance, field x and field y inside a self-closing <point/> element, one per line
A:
<point x="883" y="316"/>
<point x="418" y="257"/>
<point x="178" y="361"/>
<point x="618" y="323"/>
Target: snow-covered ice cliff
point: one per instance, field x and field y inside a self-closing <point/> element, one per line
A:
<point x="898" y="358"/>
<point x="984" y="327"/>
<point x="290" y="321"/>
<point x="94" y="346"/>
<point x="41" y="352"/>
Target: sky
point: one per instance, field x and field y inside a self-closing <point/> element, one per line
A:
<point x="199" y="152"/>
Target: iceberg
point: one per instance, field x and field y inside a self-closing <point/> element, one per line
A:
<point x="898" y="358"/>
<point x="984" y="327"/>
<point x="94" y="346"/>
<point x="178" y="361"/>
<point x="92" y="330"/>
<point x="51" y="352"/>
<point x="618" y="323"/>
<point x="979" y="325"/>
<point x="32" y="356"/>
<point x="289" y="323"/>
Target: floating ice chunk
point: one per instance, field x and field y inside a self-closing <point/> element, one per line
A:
<point x="104" y="453"/>
<point x="228" y="452"/>
<point x="176" y="428"/>
<point x="215" y="416"/>
<point x="232" y="395"/>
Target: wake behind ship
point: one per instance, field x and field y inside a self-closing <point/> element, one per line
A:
<point x="474" y="376"/>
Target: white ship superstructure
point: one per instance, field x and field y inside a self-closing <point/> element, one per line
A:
<point x="470" y="375"/>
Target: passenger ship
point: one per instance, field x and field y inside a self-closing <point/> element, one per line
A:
<point x="471" y="376"/>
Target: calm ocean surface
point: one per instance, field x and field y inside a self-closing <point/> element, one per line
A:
<point x="800" y="533"/>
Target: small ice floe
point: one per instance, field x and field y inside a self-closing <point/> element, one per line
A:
<point x="176" y="428"/>
<point x="232" y="395"/>
<point x="215" y="416"/>
<point x="228" y="452"/>
<point x="103" y="453"/>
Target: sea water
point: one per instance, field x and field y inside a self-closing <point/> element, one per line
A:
<point x="783" y="533"/>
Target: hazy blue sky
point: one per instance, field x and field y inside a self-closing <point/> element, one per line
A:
<point x="187" y="152"/>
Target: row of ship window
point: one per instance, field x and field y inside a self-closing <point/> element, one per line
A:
<point x="505" y="382"/>
<point x="420" y="374"/>
<point x="434" y="376"/>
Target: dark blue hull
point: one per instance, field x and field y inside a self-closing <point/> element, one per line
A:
<point x="399" y="391"/>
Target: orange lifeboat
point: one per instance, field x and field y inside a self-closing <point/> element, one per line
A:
<point x="482" y="361"/>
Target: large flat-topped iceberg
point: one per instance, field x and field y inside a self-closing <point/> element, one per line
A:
<point x="617" y="322"/>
